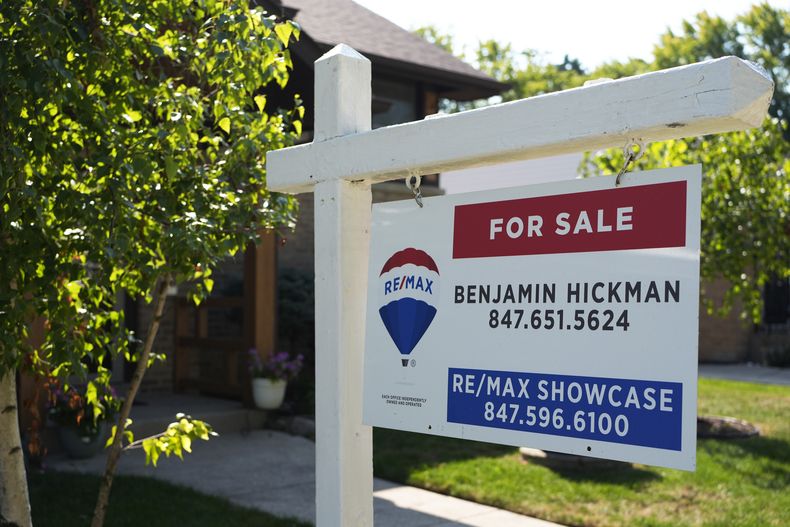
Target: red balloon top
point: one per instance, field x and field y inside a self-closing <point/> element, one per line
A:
<point x="410" y="256"/>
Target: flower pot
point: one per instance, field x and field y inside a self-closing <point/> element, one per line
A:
<point x="267" y="393"/>
<point x="79" y="446"/>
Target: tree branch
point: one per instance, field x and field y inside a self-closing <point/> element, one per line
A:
<point x="142" y="365"/>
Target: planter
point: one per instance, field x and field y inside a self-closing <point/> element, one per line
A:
<point x="78" y="446"/>
<point x="267" y="393"/>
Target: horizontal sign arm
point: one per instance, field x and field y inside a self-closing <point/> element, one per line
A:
<point x="720" y="95"/>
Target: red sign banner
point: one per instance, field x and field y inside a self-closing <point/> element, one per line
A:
<point x="641" y="217"/>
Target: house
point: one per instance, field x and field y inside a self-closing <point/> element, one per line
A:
<point x="206" y="346"/>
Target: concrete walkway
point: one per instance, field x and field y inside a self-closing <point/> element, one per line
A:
<point x="747" y="372"/>
<point x="275" y="472"/>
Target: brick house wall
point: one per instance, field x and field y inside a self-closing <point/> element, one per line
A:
<point x="722" y="339"/>
<point x="159" y="377"/>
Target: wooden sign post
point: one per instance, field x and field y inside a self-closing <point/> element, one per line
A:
<point x="346" y="156"/>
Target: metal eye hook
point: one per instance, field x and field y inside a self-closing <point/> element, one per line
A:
<point x="413" y="183"/>
<point x="631" y="156"/>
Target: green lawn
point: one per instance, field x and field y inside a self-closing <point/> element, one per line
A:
<point x="66" y="500"/>
<point x="737" y="483"/>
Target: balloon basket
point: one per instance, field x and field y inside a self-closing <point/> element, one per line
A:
<point x="405" y="362"/>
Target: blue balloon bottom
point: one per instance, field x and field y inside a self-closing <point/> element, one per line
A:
<point x="406" y="321"/>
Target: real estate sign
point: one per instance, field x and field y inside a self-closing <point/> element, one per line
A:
<point x="561" y="316"/>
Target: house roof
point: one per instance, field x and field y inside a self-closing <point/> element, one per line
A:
<point x="390" y="47"/>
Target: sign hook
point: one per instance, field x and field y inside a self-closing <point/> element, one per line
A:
<point x="413" y="183"/>
<point x="633" y="151"/>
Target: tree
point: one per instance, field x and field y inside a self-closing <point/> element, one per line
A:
<point x="745" y="210"/>
<point x="759" y="35"/>
<point x="538" y="76"/>
<point x="447" y="43"/>
<point x="527" y="72"/>
<point x="437" y="38"/>
<point x="746" y="192"/>
<point x="133" y="157"/>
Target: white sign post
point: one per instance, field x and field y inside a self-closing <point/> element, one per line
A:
<point x="345" y="158"/>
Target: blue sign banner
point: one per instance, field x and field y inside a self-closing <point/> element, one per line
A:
<point x="625" y="411"/>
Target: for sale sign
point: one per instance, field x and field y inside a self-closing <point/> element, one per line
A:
<point x="561" y="316"/>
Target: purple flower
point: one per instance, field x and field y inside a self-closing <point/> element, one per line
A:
<point x="277" y="366"/>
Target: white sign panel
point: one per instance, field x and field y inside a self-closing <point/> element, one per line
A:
<point x="561" y="316"/>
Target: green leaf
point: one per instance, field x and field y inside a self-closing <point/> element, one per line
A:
<point x="132" y="116"/>
<point x="151" y="448"/>
<point x="283" y="32"/>
<point x="112" y="437"/>
<point x="171" y="167"/>
<point x="186" y="443"/>
<point x="224" y="124"/>
<point x="260" y="102"/>
<point x="92" y="400"/>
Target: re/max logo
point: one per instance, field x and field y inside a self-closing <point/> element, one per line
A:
<point x="417" y="283"/>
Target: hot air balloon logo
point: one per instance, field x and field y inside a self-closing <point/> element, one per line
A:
<point x="409" y="283"/>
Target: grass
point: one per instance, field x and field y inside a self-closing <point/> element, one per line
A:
<point x="65" y="500"/>
<point x="737" y="483"/>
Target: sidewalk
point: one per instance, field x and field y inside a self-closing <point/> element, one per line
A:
<point x="275" y="472"/>
<point x="747" y="372"/>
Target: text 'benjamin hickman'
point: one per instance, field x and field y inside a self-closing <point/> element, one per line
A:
<point x="646" y="292"/>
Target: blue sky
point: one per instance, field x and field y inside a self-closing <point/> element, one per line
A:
<point x="594" y="31"/>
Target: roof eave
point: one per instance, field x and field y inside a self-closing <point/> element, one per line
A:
<point x="449" y="84"/>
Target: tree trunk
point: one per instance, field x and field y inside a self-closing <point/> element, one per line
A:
<point x="117" y="445"/>
<point x="14" y="501"/>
